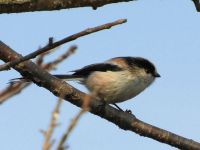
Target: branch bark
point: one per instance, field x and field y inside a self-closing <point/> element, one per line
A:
<point x="124" y="120"/>
<point x="17" y="87"/>
<point x="17" y="6"/>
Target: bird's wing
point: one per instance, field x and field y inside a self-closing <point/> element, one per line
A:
<point x="87" y="70"/>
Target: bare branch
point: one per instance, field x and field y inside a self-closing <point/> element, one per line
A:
<point x="124" y="120"/>
<point x="69" y="130"/>
<point x="56" y="44"/>
<point x="16" y="6"/>
<point x="53" y="123"/>
<point x="40" y="58"/>
<point x="58" y="60"/>
<point x="73" y="123"/>
<point x="10" y="2"/>
<point x="17" y="87"/>
<point x="12" y="90"/>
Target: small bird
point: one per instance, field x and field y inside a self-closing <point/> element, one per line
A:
<point x="117" y="79"/>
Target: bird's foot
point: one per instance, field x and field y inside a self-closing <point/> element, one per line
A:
<point x="101" y="105"/>
<point x="128" y="111"/>
<point x="117" y="107"/>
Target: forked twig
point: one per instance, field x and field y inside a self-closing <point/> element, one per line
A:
<point x="53" y="123"/>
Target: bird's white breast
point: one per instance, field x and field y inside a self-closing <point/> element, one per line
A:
<point x="118" y="86"/>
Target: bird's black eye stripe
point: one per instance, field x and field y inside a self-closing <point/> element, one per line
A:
<point x="147" y="71"/>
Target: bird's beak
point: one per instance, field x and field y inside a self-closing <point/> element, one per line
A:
<point x="157" y="75"/>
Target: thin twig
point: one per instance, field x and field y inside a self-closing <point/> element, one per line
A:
<point x="40" y="59"/>
<point x="58" y="60"/>
<point x="52" y="125"/>
<point x="73" y="123"/>
<point x="7" y="65"/>
<point x="12" y="90"/>
<point x="17" y="87"/>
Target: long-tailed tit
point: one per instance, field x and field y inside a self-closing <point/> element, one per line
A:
<point x="117" y="79"/>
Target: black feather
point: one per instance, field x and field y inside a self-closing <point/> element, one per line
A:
<point x="87" y="70"/>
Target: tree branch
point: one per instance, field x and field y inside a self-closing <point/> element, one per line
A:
<point x="17" y="87"/>
<point x="69" y="130"/>
<point x="52" y="125"/>
<point x="14" y="1"/>
<point x="124" y="120"/>
<point x="11" y="90"/>
<point x="58" y="43"/>
<point x="61" y="143"/>
<point x="17" y="6"/>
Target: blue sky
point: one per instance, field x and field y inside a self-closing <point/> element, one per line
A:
<point x="165" y="32"/>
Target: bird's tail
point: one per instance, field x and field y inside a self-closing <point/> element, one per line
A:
<point x="68" y="77"/>
<point x="60" y="76"/>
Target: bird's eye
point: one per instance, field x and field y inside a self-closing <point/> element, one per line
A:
<point x="148" y="71"/>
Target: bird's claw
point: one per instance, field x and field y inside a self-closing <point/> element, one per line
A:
<point x="128" y="111"/>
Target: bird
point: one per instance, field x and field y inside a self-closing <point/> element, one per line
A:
<point x="117" y="79"/>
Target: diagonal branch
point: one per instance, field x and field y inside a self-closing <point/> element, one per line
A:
<point x="17" y="87"/>
<point x="124" y="120"/>
<point x="58" y="43"/>
<point x="11" y="90"/>
<point x="17" y="6"/>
